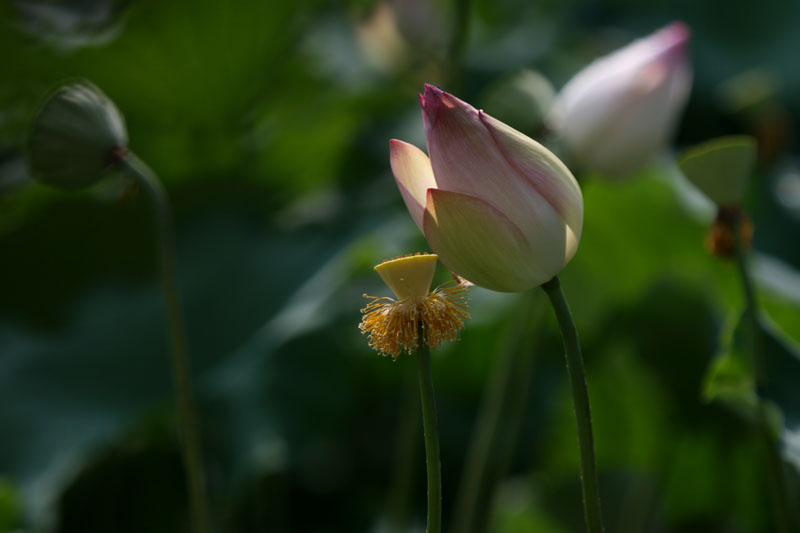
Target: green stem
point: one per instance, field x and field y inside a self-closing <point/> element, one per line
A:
<point x="777" y="483"/>
<point x="751" y="308"/>
<point x="431" y="430"/>
<point x="192" y="455"/>
<point x="580" y="400"/>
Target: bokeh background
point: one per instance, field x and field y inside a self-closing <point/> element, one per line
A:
<point x="269" y="123"/>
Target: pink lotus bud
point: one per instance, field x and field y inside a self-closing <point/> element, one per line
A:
<point x="496" y="206"/>
<point x="619" y="112"/>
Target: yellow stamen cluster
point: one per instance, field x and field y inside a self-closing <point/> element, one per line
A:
<point x="394" y="325"/>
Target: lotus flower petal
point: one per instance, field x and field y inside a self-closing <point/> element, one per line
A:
<point x="463" y="154"/>
<point x="499" y="208"/>
<point x="617" y="113"/>
<point x="545" y="173"/>
<point x="480" y="243"/>
<point x="466" y="158"/>
<point x="414" y="176"/>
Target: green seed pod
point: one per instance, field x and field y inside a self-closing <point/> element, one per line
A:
<point x="74" y="137"/>
<point x="721" y="167"/>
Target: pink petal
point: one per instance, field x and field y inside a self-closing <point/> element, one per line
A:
<point x="545" y="173"/>
<point x="414" y="176"/>
<point x="619" y="112"/>
<point x="466" y="159"/>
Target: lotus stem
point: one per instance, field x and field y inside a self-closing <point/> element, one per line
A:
<point x="430" y="429"/>
<point x="777" y="483"/>
<point x="580" y="401"/>
<point x="187" y="416"/>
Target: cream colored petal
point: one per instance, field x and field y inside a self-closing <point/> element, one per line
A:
<point x="542" y="170"/>
<point x="466" y="159"/>
<point x="479" y="243"/>
<point x="414" y="176"/>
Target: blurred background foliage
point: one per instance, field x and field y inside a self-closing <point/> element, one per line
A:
<point x="269" y="123"/>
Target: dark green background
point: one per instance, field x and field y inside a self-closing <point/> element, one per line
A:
<point x="270" y="128"/>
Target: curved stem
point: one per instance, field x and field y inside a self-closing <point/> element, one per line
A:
<point x="580" y="400"/>
<point x="187" y="416"/>
<point x="777" y="483"/>
<point x="430" y="428"/>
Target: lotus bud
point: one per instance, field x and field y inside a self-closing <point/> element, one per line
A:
<point x="721" y="167"/>
<point x="498" y="208"/>
<point x="619" y="112"/>
<point x="75" y="136"/>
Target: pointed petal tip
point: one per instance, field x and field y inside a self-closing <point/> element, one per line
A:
<point x="678" y="29"/>
<point x="432" y="91"/>
<point x="675" y="38"/>
<point x="395" y="145"/>
<point x="401" y="149"/>
<point x="431" y="101"/>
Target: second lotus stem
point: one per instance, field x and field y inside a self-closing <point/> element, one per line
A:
<point x="187" y="415"/>
<point x="777" y="484"/>
<point x="580" y="399"/>
<point x="430" y="428"/>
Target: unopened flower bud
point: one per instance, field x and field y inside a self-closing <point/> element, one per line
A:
<point x="619" y="112"/>
<point x="75" y="136"/>
<point x="496" y="206"/>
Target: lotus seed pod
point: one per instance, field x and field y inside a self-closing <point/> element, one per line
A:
<point x="75" y="136"/>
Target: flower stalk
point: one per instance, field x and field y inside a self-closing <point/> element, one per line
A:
<point x="777" y="483"/>
<point x="580" y="400"/>
<point x="413" y="322"/>
<point x="187" y="416"/>
<point x="430" y="427"/>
